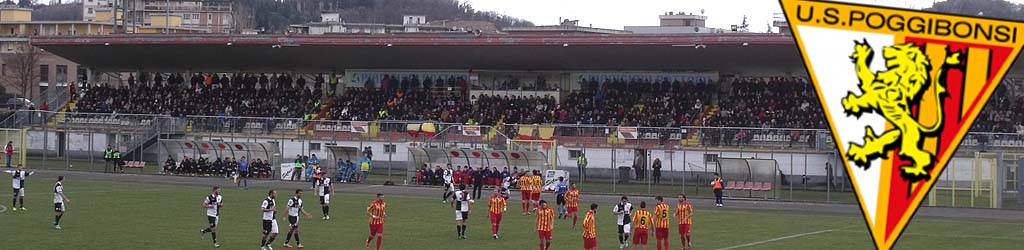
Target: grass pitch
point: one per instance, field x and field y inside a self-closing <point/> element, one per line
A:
<point x="122" y="215"/>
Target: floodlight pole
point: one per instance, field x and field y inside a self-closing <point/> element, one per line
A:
<point x="167" y="17"/>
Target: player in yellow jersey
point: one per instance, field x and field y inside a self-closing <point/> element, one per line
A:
<point x="589" y="229"/>
<point x="524" y="187"/>
<point x="497" y="208"/>
<point x="642" y="219"/>
<point x="545" y="222"/>
<point x="572" y="200"/>
<point x="684" y="212"/>
<point x="661" y="221"/>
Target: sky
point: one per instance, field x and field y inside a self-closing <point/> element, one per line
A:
<point x="614" y="14"/>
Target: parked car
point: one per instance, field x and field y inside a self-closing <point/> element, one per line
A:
<point x="16" y="103"/>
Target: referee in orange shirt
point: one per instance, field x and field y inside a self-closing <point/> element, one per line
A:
<point x="545" y="221"/>
<point x="497" y="207"/>
<point x="589" y="230"/>
<point x="661" y="220"/>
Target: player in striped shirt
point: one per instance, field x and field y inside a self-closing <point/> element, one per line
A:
<point x="497" y="206"/>
<point x="589" y="229"/>
<point x="377" y="212"/>
<point x="294" y="208"/>
<point x="643" y="222"/>
<point x="461" y="204"/>
<point x="538" y="186"/>
<point x="622" y="212"/>
<point x="58" y="201"/>
<point x="18" y="183"/>
<point x="545" y="221"/>
<point x="270" y="230"/>
<point x="525" y="184"/>
<point x="213" y="203"/>
<point x="661" y="220"/>
<point x="684" y="212"/>
<point x="572" y="200"/>
<point x="325" y="191"/>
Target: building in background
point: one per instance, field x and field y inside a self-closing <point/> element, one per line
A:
<point x="683" y="23"/>
<point x="565" y="27"/>
<point x="331" y="23"/>
<point x="48" y="70"/>
<point x="214" y="16"/>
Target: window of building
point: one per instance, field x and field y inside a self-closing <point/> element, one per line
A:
<point x="313" y="146"/>
<point x="390" y="148"/>
<point x="62" y="74"/>
<point x="89" y="11"/>
<point x="574" y="153"/>
<point x="81" y="72"/>
<point x="44" y="73"/>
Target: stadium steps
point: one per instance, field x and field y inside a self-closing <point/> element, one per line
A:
<point x="61" y="113"/>
<point x="694" y="138"/>
<point x="310" y="127"/>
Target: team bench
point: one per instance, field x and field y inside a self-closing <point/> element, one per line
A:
<point x="135" y="164"/>
<point x="765" y="187"/>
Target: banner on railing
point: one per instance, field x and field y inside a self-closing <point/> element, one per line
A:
<point x="360" y="127"/>
<point x="628" y="133"/>
<point x="468" y="130"/>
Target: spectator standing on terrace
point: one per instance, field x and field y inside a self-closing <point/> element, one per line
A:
<point x="9" y="152"/>
<point x="657" y="170"/>
<point x="581" y="164"/>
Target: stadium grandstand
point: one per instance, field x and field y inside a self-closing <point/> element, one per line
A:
<point x="624" y="101"/>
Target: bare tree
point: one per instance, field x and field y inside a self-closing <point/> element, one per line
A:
<point x="21" y="69"/>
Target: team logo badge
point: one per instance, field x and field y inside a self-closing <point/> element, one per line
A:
<point x="900" y="88"/>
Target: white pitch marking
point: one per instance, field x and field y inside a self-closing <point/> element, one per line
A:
<point x="777" y="239"/>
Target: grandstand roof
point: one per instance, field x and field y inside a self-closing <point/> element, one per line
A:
<point x="427" y="51"/>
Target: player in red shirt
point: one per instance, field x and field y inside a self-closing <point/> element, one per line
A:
<point x="497" y="207"/>
<point x="589" y="229"/>
<point x="377" y="212"/>
<point x="545" y="221"/>
<point x="684" y="212"/>
<point x="642" y="219"/>
<point x="661" y="221"/>
<point x="572" y="201"/>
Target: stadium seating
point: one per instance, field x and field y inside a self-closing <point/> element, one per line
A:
<point x="179" y="100"/>
<point x="135" y="164"/>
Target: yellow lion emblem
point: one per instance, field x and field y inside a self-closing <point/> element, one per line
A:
<point x="892" y="93"/>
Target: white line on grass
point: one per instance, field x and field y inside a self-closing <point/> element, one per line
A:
<point x="777" y="239"/>
<point x="3" y="209"/>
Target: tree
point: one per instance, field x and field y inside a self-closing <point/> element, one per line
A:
<point x="21" y="69"/>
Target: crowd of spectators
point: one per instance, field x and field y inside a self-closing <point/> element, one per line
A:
<point x="415" y="104"/>
<point x="247" y="96"/>
<point x="1003" y="112"/>
<point x="770" y="102"/>
<point x="755" y="102"/>
<point x="637" y="103"/>
<point x="221" y="167"/>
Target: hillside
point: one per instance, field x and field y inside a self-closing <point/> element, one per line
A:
<point x="274" y="16"/>
<point x="987" y="8"/>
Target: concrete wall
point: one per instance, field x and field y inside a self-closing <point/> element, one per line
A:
<point x="601" y="163"/>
